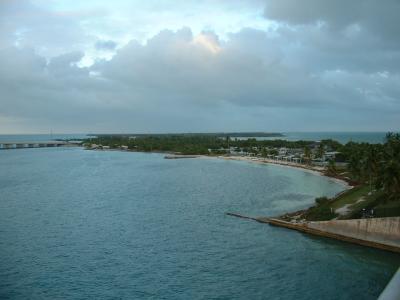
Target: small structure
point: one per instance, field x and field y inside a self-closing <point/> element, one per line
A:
<point x="282" y="151"/>
<point x="331" y="155"/>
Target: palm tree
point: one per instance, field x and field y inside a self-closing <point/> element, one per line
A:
<point x="371" y="164"/>
<point x="307" y="154"/>
<point x="391" y="180"/>
<point x="264" y="152"/>
<point x="331" y="170"/>
<point x="321" y="150"/>
<point x="354" y="166"/>
<point x="227" y="139"/>
<point x="390" y="169"/>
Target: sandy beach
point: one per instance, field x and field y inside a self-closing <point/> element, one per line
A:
<point x="315" y="170"/>
<point x="311" y="169"/>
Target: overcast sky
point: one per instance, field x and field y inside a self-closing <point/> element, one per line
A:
<point x="196" y="66"/>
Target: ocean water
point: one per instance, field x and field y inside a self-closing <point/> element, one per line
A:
<point x="342" y="137"/>
<point x="78" y="224"/>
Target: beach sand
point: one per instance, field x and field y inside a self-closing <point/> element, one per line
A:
<point x="315" y="170"/>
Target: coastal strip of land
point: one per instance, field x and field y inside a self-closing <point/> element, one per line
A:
<point x="381" y="233"/>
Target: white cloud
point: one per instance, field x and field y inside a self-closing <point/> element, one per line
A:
<point x="296" y="75"/>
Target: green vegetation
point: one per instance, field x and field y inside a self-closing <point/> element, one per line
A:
<point x="193" y="143"/>
<point x="307" y="154"/>
<point x="376" y="169"/>
<point x="377" y="165"/>
<point x="355" y="203"/>
<point x="387" y="209"/>
<point x="350" y="204"/>
<point x="319" y="213"/>
<point x="350" y="197"/>
<point x="169" y="143"/>
<point x="331" y="169"/>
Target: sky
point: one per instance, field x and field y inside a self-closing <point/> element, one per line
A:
<point x="122" y="66"/>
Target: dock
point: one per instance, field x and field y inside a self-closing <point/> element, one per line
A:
<point x="241" y="216"/>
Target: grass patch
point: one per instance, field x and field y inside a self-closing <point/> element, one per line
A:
<point x="322" y="212"/>
<point x="389" y="209"/>
<point x="350" y="196"/>
<point x="359" y="201"/>
<point x="369" y="203"/>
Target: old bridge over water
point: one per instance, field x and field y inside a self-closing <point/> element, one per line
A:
<point x="35" y="144"/>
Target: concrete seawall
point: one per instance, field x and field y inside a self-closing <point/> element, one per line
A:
<point x="382" y="233"/>
<point x="378" y="230"/>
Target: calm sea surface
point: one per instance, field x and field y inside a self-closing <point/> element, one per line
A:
<point x="78" y="224"/>
<point x="342" y="137"/>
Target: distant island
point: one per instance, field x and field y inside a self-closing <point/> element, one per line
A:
<point x="214" y="134"/>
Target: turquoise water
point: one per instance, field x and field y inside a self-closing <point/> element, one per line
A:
<point x="78" y="224"/>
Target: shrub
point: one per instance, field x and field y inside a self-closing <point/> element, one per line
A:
<point x="321" y="200"/>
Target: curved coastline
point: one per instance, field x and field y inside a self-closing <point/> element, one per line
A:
<point x="318" y="172"/>
<point x="313" y="170"/>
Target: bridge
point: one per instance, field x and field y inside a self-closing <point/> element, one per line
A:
<point x="36" y="144"/>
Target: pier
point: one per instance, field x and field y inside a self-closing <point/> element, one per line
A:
<point x="35" y="144"/>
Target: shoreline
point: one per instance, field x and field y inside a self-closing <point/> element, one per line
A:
<point x="317" y="171"/>
<point x="313" y="170"/>
<point x="325" y="229"/>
